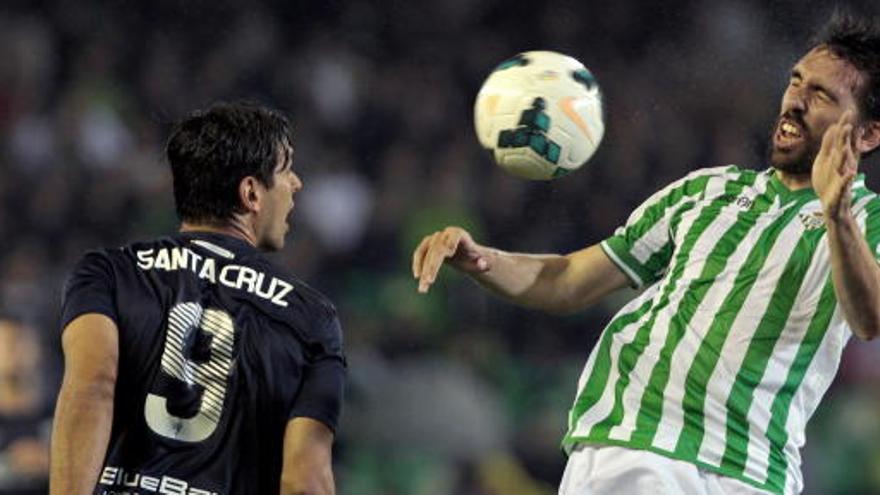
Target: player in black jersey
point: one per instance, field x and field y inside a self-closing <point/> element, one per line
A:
<point x="192" y="364"/>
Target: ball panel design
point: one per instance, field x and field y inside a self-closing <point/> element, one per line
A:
<point x="540" y="113"/>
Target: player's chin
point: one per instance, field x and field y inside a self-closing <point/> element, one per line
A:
<point x="799" y="163"/>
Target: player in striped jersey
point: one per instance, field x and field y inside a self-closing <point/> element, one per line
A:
<point x="754" y="281"/>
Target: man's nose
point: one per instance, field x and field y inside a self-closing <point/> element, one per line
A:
<point x="795" y="101"/>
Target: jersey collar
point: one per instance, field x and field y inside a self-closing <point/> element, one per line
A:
<point x="786" y="195"/>
<point x="224" y="245"/>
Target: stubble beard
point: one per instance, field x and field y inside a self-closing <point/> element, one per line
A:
<point x="795" y="162"/>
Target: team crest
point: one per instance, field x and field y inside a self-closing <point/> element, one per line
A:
<point x="813" y="220"/>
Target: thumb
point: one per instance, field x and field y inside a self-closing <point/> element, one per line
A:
<point x="482" y="264"/>
<point x="480" y="260"/>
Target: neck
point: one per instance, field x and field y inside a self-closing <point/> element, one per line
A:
<point x="235" y="228"/>
<point x="794" y="182"/>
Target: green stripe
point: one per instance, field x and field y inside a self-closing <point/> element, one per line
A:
<point x="598" y="379"/>
<point x="708" y="354"/>
<point x="859" y="194"/>
<point x="619" y="254"/>
<point x="629" y="444"/>
<point x="872" y="225"/>
<point x="658" y="262"/>
<point x="656" y="211"/>
<point x="630" y="353"/>
<point x="636" y="228"/>
<point x="648" y="215"/>
<point x="651" y="408"/>
<point x="761" y="347"/>
<point x="777" y="434"/>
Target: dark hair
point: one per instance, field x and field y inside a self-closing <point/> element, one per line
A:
<point x="856" y="39"/>
<point x="211" y="151"/>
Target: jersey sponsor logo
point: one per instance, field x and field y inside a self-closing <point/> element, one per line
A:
<point x="233" y="276"/>
<point x="134" y="483"/>
<point x="743" y="202"/>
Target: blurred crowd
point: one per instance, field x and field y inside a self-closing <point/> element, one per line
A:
<point x="453" y="392"/>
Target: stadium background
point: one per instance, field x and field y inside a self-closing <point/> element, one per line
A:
<point x="450" y="393"/>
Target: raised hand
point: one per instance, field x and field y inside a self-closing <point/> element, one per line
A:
<point x="452" y="244"/>
<point x="835" y="167"/>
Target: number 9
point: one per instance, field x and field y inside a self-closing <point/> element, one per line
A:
<point x="213" y="375"/>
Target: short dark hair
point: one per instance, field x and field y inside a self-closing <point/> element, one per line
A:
<point x="856" y="39"/>
<point x="212" y="150"/>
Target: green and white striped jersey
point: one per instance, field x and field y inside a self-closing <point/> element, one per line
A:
<point x="724" y="357"/>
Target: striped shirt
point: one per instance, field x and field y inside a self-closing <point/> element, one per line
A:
<point x="725" y="355"/>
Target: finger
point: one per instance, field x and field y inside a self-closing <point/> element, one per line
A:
<point x="850" y="162"/>
<point x="846" y="117"/>
<point x="847" y="129"/>
<point x="436" y="253"/>
<point x="419" y="256"/>
<point x="851" y="154"/>
<point x="844" y="134"/>
<point x="841" y="143"/>
<point x="422" y="268"/>
<point x="482" y="263"/>
<point x="827" y="143"/>
<point x="444" y="247"/>
<point x="479" y="259"/>
<point x="434" y="243"/>
<point x="855" y="133"/>
<point x="450" y="239"/>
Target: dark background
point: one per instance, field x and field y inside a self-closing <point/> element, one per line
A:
<point x="454" y="392"/>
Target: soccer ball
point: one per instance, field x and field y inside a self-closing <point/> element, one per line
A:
<point x="540" y="115"/>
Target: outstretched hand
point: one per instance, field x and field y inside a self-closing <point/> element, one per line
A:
<point x="453" y="245"/>
<point x="835" y="166"/>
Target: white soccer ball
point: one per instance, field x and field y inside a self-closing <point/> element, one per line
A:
<point x="540" y="114"/>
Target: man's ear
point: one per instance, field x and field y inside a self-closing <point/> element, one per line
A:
<point x="250" y="194"/>
<point x="868" y="136"/>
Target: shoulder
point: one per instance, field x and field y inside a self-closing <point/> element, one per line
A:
<point x="303" y="305"/>
<point x="124" y="253"/>
<point x="108" y="264"/>
<point x="698" y="179"/>
<point x="314" y="302"/>
<point x="865" y="202"/>
<point x="867" y="205"/>
<point x="316" y="315"/>
<point x="693" y="185"/>
<point x="720" y="175"/>
<point x="719" y="171"/>
<point x="95" y="262"/>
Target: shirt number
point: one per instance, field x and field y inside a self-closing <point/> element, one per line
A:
<point x="185" y="321"/>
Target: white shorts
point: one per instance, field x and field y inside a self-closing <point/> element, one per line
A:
<point x="609" y="470"/>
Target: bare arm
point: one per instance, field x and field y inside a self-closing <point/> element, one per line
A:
<point x="308" y="468"/>
<point x="854" y="269"/>
<point x="84" y="412"/>
<point x="548" y="282"/>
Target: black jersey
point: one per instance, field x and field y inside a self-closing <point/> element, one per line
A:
<point x="218" y="350"/>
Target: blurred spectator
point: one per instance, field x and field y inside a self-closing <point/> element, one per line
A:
<point x="24" y="419"/>
<point x="381" y="94"/>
